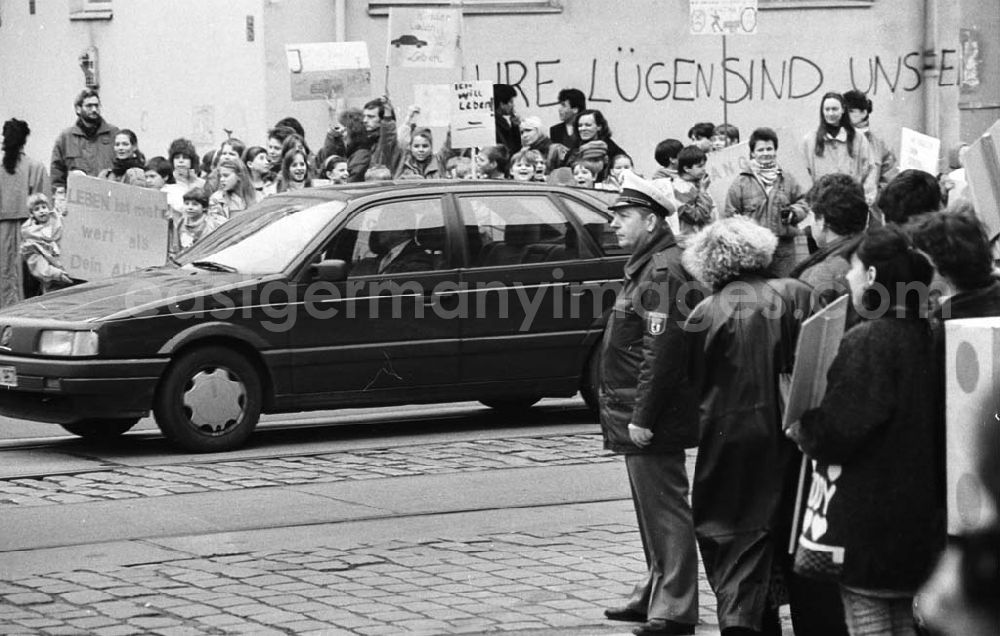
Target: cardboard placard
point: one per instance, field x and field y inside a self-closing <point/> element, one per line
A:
<point x="111" y="228"/>
<point x="424" y="38"/>
<point x="472" y="120"/>
<point x="918" y="151"/>
<point x="329" y="70"/>
<point x="435" y="104"/>
<point x="722" y="17"/>
<point x="723" y="166"/>
<point x="819" y="341"/>
<point x="982" y="170"/>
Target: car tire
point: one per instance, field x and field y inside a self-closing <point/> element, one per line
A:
<point x="511" y="405"/>
<point x="590" y="383"/>
<point x="209" y="400"/>
<point x="101" y="429"/>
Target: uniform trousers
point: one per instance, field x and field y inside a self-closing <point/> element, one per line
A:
<point x="660" y="493"/>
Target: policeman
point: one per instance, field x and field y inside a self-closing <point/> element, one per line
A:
<point x="649" y="410"/>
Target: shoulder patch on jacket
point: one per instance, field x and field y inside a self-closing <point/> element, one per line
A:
<point x="656" y="322"/>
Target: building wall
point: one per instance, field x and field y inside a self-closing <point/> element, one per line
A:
<point x="185" y="67"/>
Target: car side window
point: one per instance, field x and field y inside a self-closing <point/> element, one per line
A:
<point x="393" y="238"/>
<point x="514" y="230"/>
<point x="596" y="224"/>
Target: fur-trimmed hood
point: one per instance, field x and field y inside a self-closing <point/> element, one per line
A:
<point x="724" y="250"/>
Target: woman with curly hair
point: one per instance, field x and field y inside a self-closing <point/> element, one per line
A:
<point x="20" y="176"/>
<point x="742" y="338"/>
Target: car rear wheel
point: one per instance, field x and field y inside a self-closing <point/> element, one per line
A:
<point x="590" y="383"/>
<point x="209" y="400"/>
<point x="101" y="429"/>
<point x="511" y="405"/>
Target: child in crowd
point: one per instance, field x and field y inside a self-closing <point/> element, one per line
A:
<point x="235" y="192"/>
<point x="619" y="163"/>
<point x="259" y="169"/>
<point x="666" y="155"/>
<point x="725" y="135"/>
<point x="378" y="172"/>
<point x="460" y="167"/>
<point x="40" y="236"/>
<point x="294" y="170"/>
<point x="158" y="172"/>
<point x="696" y="207"/>
<point x="585" y="172"/>
<point x="335" y="169"/>
<point x="524" y="165"/>
<point x="197" y="223"/>
<point x="701" y="135"/>
<point x="492" y="162"/>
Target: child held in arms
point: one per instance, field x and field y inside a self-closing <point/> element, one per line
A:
<point x="41" y="234"/>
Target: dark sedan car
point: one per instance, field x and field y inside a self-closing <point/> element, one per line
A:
<point x="363" y="295"/>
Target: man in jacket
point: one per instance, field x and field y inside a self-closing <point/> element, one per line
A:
<point x="86" y="146"/>
<point x="649" y="411"/>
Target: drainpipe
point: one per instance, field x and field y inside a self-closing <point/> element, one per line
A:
<point x="340" y="20"/>
<point x="931" y="92"/>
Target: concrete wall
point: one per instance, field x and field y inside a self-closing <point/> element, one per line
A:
<point x="185" y="68"/>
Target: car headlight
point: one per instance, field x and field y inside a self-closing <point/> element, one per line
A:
<point x="67" y="343"/>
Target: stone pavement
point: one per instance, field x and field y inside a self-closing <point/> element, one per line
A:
<point x="551" y="569"/>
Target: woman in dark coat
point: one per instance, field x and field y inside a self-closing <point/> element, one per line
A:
<point x="876" y="508"/>
<point x="743" y="336"/>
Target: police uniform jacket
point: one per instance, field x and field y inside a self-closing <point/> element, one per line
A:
<point x="643" y="371"/>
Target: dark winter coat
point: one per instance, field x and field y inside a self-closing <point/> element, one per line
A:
<point x="75" y="150"/>
<point x="881" y="421"/>
<point x="748" y="197"/>
<point x="644" y="376"/>
<point x="743" y="337"/>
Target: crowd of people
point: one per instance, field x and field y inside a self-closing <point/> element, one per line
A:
<point x="711" y="377"/>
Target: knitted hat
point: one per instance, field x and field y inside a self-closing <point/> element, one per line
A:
<point x="595" y="149"/>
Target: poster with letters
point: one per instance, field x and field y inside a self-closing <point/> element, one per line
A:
<point x="111" y="228"/>
<point x="472" y="122"/>
<point x="918" y="151"/>
<point x="329" y="70"/>
<point x="722" y="167"/>
<point x="424" y="38"/>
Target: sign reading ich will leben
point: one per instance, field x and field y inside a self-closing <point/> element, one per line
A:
<point x="322" y="70"/>
<point x="472" y="123"/>
<point x="111" y="228"/>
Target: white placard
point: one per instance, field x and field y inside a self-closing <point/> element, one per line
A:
<point x="722" y="167"/>
<point x="434" y="101"/>
<point x="111" y="228"/>
<point x="723" y="17"/>
<point x="919" y="151"/>
<point x="424" y="38"/>
<point x="982" y="169"/>
<point x="322" y="70"/>
<point x="472" y="122"/>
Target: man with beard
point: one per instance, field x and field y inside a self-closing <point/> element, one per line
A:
<point x="88" y="145"/>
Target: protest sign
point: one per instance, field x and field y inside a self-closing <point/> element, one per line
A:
<point x="723" y="167"/>
<point x="333" y="70"/>
<point x="111" y="228"/>
<point x="722" y="17"/>
<point x="918" y="151"/>
<point x="982" y="170"/>
<point x="972" y="371"/>
<point x="424" y="38"/>
<point x="472" y="122"/>
<point x="434" y="101"/>
<point x="819" y="340"/>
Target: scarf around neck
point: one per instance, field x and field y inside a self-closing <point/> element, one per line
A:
<point x="767" y="174"/>
<point x="89" y="130"/>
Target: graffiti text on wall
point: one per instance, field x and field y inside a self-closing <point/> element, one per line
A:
<point x="746" y="79"/>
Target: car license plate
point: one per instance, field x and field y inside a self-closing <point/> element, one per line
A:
<point x="8" y="376"/>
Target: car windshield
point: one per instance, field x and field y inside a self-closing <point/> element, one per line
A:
<point x="265" y="239"/>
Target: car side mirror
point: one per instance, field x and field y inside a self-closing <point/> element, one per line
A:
<point x="333" y="270"/>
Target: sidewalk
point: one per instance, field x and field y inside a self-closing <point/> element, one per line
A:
<point x="531" y="548"/>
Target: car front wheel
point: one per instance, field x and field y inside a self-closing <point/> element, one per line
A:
<point x="101" y="429"/>
<point x="209" y="400"/>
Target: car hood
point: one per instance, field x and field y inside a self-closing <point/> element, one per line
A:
<point x="127" y="296"/>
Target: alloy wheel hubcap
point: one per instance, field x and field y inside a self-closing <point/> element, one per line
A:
<point x="214" y="400"/>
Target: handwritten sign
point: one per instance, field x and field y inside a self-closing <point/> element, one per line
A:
<point x="111" y="228"/>
<point x="472" y="122"/>
<point x="723" y="17"/>
<point x="424" y="38"/>
<point x="723" y="167"/>
<point x="435" y="104"/>
<point x="324" y="70"/>
<point x="918" y="151"/>
<point x="982" y="169"/>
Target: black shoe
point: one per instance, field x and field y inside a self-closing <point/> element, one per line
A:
<point x="626" y="614"/>
<point x="656" y="626"/>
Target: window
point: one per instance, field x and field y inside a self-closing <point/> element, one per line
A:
<point x="597" y="225"/>
<point x="393" y="238"/>
<point x="90" y="10"/>
<point x="515" y="230"/>
<point x="469" y="7"/>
